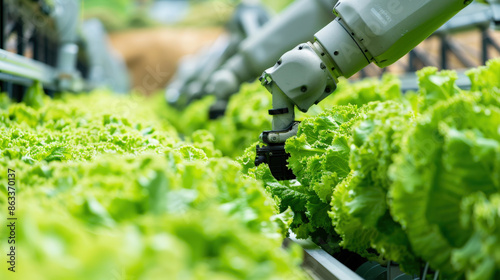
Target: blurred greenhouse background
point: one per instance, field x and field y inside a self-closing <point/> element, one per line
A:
<point x="132" y="128"/>
<point x="125" y="14"/>
<point x="153" y="35"/>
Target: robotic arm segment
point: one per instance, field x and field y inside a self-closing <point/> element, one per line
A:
<point x="365" y="31"/>
<point x="380" y="31"/>
<point x="294" y="25"/>
<point x="249" y="17"/>
<point x="342" y="53"/>
<point x="192" y="78"/>
<point x="303" y="88"/>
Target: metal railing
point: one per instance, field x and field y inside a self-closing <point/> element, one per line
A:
<point x="50" y="44"/>
<point x="28" y="43"/>
<point x="476" y="18"/>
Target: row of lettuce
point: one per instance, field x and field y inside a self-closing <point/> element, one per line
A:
<point x="116" y="187"/>
<point x="413" y="179"/>
<point x="105" y="189"/>
<point x="247" y="112"/>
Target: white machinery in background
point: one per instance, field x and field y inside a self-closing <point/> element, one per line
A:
<point x="364" y="31"/>
<point x="296" y="24"/>
<point x="105" y="67"/>
<point x="46" y="42"/>
<point x="194" y="71"/>
<point x="253" y="53"/>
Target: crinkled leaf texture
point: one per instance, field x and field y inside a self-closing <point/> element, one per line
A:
<point x="110" y="192"/>
<point x="320" y="160"/>
<point x="360" y="212"/>
<point x="451" y="153"/>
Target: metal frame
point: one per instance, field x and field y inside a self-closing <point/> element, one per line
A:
<point x="419" y="59"/>
<point x="450" y="47"/>
<point x="319" y="264"/>
<point x="17" y="72"/>
<point x="475" y="17"/>
<point x="487" y="42"/>
<point x="22" y="67"/>
<point x="41" y="42"/>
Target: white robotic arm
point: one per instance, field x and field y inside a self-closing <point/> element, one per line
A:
<point x="260" y="51"/>
<point x="365" y="31"/>
<point x="194" y="71"/>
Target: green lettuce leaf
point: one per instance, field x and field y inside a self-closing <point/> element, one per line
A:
<point x="447" y="156"/>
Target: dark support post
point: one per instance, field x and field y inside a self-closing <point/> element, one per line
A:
<point x="46" y="48"/>
<point x="14" y="33"/>
<point x="35" y="45"/>
<point x="493" y="43"/>
<point x="488" y="41"/>
<point x="21" y="46"/>
<point x="2" y="25"/>
<point x="362" y="73"/>
<point x="444" y="52"/>
<point x="17" y="92"/>
<point x="51" y="57"/>
<point x="484" y="45"/>
<point x="419" y="59"/>
<point x="3" y="19"/>
<point x="411" y="63"/>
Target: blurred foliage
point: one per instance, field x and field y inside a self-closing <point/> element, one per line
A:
<point x="217" y="12"/>
<point x="109" y="191"/>
<point x="278" y="5"/>
<point x="208" y="13"/>
<point x="119" y="14"/>
<point x="126" y="14"/>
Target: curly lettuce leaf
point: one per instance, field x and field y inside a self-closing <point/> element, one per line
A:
<point x="449" y="154"/>
<point x="480" y="256"/>
<point x="112" y="192"/>
<point x="360" y="213"/>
